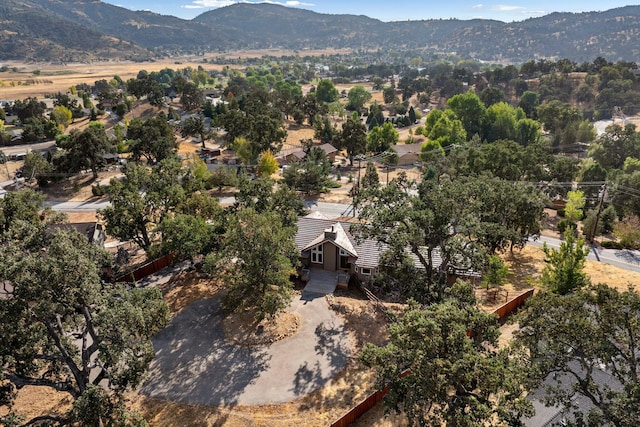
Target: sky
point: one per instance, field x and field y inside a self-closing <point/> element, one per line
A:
<point x="391" y="10"/>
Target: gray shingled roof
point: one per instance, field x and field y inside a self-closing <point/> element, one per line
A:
<point x="311" y="229"/>
<point x="403" y="149"/>
<point x="336" y="235"/>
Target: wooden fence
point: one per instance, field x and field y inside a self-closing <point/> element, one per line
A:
<point x="374" y="398"/>
<point x="146" y="269"/>
<point x="375" y="301"/>
<point x="359" y="410"/>
<point x="510" y="306"/>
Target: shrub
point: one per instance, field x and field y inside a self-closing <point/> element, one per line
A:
<point x="564" y="224"/>
<point x="612" y="244"/>
<point x="98" y="190"/>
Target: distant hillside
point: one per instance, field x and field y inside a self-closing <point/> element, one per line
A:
<point x="50" y="29"/>
<point x="32" y="33"/>
<point x="147" y="29"/>
<point x="268" y="25"/>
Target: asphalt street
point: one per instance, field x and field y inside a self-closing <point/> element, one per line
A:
<point x="627" y="259"/>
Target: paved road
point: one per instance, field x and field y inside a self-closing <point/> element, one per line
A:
<point x="629" y="260"/>
<point x="27" y="148"/>
<point x="195" y="364"/>
<point x="332" y="210"/>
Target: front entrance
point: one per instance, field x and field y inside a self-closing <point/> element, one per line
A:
<point x="344" y="260"/>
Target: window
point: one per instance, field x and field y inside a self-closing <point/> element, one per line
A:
<point x="316" y="255"/>
<point x="366" y="272"/>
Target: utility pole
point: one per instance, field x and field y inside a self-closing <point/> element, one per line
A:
<point x="595" y="223"/>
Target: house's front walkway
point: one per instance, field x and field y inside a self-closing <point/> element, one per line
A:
<point x="195" y="364"/>
<point x="321" y="282"/>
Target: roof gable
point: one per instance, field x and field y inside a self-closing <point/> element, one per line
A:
<point x="337" y="235"/>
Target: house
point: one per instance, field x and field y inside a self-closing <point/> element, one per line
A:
<point x="408" y="154"/>
<point x="298" y="154"/>
<point x="93" y="230"/>
<point x="556" y="415"/>
<point x="111" y="158"/>
<point x="328" y="244"/>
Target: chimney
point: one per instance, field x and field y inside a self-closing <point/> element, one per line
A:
<point x="330" y="233"/>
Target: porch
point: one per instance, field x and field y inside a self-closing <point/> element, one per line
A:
<point x="324" y="282"/>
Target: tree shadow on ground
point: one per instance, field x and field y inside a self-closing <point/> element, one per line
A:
<point x="632" y="257"/>
<point x="307" y="379"/>
<point x="195" y="364"/>
<point x="354" y="382"/>
<point x="331" y="343"/>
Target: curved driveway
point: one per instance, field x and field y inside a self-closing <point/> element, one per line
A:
<point x="194" y="364"/>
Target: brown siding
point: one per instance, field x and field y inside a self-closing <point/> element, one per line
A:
<point x="330" y="257"/>
<point x="408" y="159"/>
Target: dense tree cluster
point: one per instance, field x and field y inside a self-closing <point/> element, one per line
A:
<point x="63" y="325"/>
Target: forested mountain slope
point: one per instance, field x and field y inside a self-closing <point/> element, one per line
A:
<point x="49" y="29"/>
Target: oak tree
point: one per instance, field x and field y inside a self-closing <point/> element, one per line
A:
<point x="441" y="366"/>
<point x="584" y="345"/>
<point x="64" y="328"/>
<point x="257" y="257"/>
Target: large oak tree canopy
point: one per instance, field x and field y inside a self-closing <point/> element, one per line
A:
<point x="63" y="327"/>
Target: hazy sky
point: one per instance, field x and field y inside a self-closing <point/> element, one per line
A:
<point x="392" y="10"/>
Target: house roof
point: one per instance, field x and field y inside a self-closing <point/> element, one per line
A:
<point x="317" y="215"/>
<point x="300" y="154"/>
<point x="336" y="235"/>
<point x="91" y="230"/>
<point x="311" y="229"/>
<point x="312" y="232"/>
<point x="404" y="149"/>
<point x="328" y="148"/>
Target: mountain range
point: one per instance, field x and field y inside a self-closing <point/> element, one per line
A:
<point x="77" y="30"/>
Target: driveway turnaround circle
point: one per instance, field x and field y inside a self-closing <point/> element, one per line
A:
<point x="195" y="364"/>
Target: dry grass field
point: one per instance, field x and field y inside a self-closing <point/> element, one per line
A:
<point x="39" y="79"/>
<point x="53" y="78"/>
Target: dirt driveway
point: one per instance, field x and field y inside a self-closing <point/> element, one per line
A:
<point x="195" y="364"/>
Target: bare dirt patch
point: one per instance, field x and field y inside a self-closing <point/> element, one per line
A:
<point x="242" y="328"/>
<point x="187" y="287"/>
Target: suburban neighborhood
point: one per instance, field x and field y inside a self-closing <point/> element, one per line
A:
<point x="352" y="237"/>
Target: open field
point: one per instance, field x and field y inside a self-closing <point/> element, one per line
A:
<point x="53" y="78"/>
<point x="59" y="78"/>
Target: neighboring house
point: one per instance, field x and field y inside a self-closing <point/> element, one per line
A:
<point x="93" y="230"/>
<point x="298" y="154"/>
<point x="111" y="158"/>
<point x="408" y="154"/>
<point x="328" y="244"/>
<point x="555" y="415"/>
